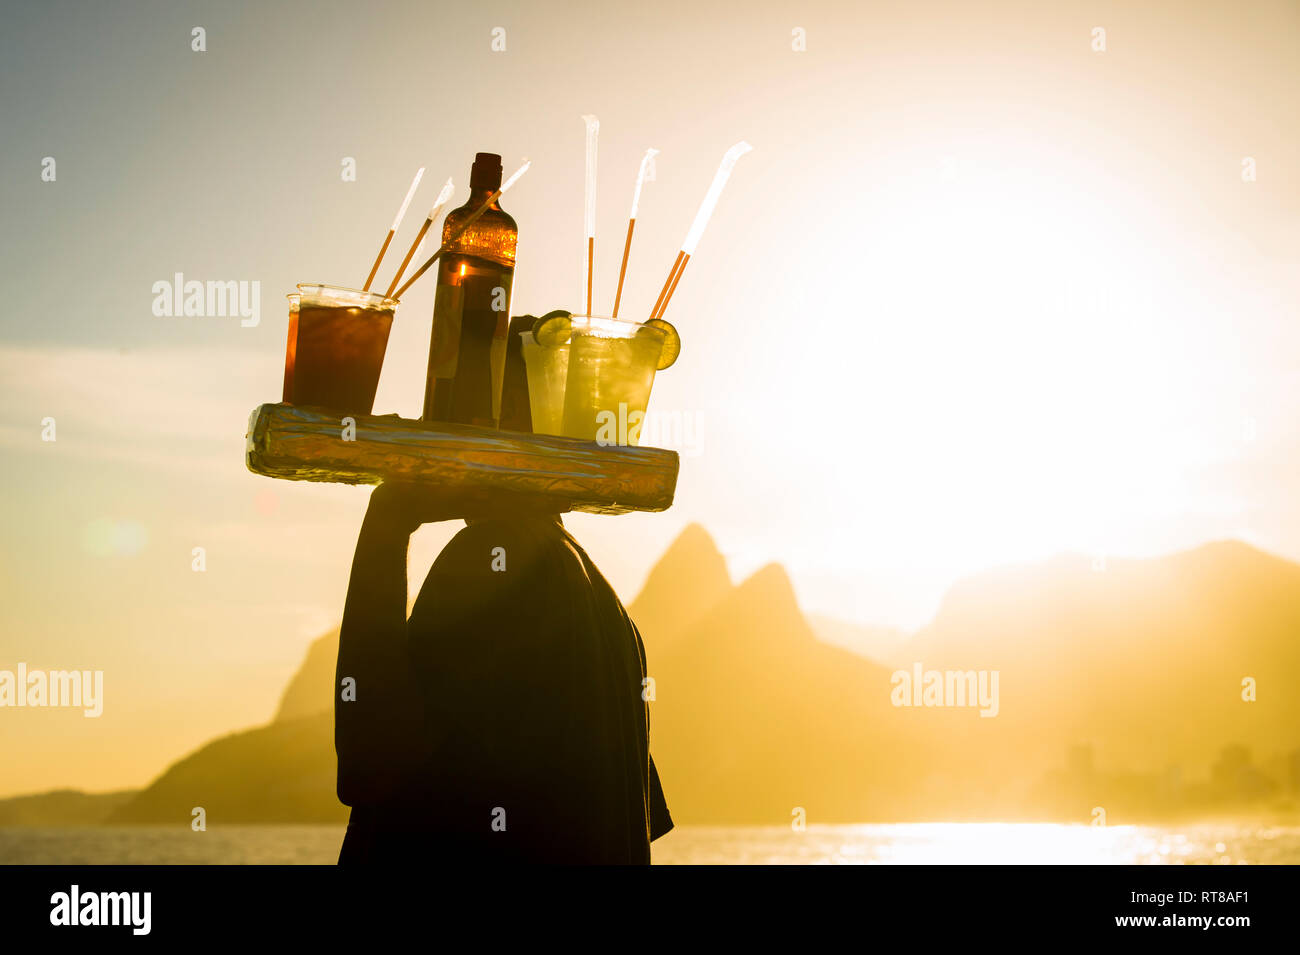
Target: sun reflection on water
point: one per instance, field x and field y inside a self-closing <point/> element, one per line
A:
<point x="980" y="843"/>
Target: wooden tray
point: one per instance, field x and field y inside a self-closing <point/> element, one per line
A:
<point x="307" y="444"/>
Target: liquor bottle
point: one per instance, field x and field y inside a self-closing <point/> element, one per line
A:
<point x="471" y="307"/>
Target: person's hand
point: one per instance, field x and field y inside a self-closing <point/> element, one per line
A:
<point x="405" y="507"/>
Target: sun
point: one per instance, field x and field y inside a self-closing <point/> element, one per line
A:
<point x="1013" y="382"/>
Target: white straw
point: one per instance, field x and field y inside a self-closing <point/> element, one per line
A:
<point x="515" y="176"/>
<point x="410" y="193"/>
<point x="444" y="196"/>
<point x="711" y="197"/>
<point x="647" y="166"/>
<point x="593" y="130"/>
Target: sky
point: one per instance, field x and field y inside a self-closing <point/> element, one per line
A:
<point x="982" y="293"/>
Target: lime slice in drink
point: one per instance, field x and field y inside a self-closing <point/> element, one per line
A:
<point x="672" y="343"/>
<point x="553" y="329"/>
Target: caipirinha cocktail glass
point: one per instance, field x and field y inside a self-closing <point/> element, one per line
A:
<point x="611" y="370"/>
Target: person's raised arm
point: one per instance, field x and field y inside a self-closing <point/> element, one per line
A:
<point x="378" y="721"/>
<point x="381" y="733"/>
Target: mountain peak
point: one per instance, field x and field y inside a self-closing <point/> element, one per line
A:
<point x="694" y="542"/>
<point x="769" y="594"/>
<point x="773" y="579"/>
<point x="311" y="690"/>
<point x="689" y="579"/>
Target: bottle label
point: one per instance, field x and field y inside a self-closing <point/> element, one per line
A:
<point x="483" y="240"/>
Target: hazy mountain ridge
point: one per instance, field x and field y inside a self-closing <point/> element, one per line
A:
<point x="686" y="582"/>
<point x="881" y="644"/>
<point x="1118" y="686"/>
<point x="311" y="692"/>
<point x="62" y="807"/>
<point x="281" y="772"/>
<point x="1138" y="665"/>
<point x="754" y="716"/>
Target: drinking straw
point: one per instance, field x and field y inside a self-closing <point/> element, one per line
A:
<point x="593" y="130"/>
<point x="646" y="162"/>
<point x="444" y="196"/>
<point x="473" y="217"/>
<point x="729" y="159"/>
<point x="393" y="231"/>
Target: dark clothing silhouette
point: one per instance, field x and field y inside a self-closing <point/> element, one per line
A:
<point x="504" y="721"/>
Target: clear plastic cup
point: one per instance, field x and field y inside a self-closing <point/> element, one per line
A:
<point x="291" y="349"/>
<point x="611" y="369"/>
<point x="547" y="369"/>
<point x="337" y="340"/>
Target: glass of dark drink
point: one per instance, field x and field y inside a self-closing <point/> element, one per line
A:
<point x="337" y="339"/>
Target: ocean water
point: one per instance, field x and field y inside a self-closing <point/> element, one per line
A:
<point x="917" y="844"/>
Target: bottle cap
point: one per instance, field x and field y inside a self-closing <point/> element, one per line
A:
<point x="486" y="172"/>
